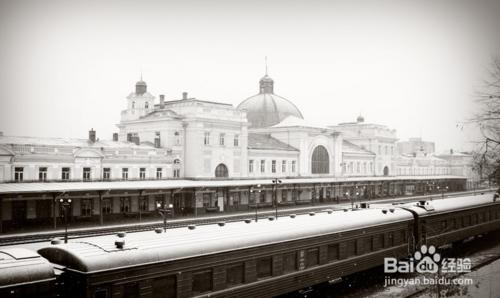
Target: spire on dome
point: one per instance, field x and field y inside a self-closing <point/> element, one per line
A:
<point x="266" y="84"/>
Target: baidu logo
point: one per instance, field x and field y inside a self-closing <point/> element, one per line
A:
<point x="427" y="260"/>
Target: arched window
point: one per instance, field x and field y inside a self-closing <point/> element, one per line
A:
<point x="386" y="171"/>
<point x="320" y="162"/>
<point x="146" y="105"/>
<point x="133" y="105"/>
<point x="221" y="171"/>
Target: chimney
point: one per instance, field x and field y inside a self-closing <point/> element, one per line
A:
<point x="115" y="137"/>
<point x="92" y="135"/>
<point x="184" y="95"/>
<point x="162" y="101"/>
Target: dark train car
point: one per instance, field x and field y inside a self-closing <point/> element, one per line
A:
<point x="447" y="221"/>
<point x="257" y="259"/>
<point x="24" y="273"/>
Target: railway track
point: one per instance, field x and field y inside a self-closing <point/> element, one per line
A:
<point x="179" y="223"/>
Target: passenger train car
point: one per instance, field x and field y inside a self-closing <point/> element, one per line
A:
<point x="264" y="258"/>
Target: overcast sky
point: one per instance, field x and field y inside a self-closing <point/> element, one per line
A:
<point x="67" y="66"/>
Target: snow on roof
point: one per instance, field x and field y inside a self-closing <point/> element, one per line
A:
<point x="266" y="142"/>
<point x="61" y="187"/>
<point x="36" y="141"/>
<point x="293" y="121"/>
<point x="100" y="253"/>
<point x="455" y="203"/>
<point x="20" y="265"/>
<point x="348" y="147"/>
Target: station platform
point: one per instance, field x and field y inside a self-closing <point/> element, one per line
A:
<point x="42" y="234"/>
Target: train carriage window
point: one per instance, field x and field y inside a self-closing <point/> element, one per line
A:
<point x="403" y="236"/>
<point x="264" y="267"/>
<point x="381" y="240"/>
<point x="201" y="281"/>
<point x="350" y="248"/>
<point x="391" y="239"/>
<point x="466" y="220"/>
<point x="453" y="223"/>
<point x="289" y="262"/>
<point x="333" y="252"/>
<point x="235" y="274"/>
<point x="131" y="290"/>
<point x="164" y="287"/>
<point x="312" y="257"/>
<point x="480" y="218"/>
<point x="101" y="293"/>
<point x="474" y="219"/>
<point x="367" y="245"/>
<point x="444" y="225"/>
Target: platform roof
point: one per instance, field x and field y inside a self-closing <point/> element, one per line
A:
<point x="61" y="187"/>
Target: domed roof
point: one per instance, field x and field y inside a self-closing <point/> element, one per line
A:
<point x="141" y="83"/>
<point x="266" y="108"/>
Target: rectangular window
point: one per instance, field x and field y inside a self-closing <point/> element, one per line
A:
<point x="312" y="257"/>
<point x="207" y="198"/>
<point x="142" y="173"/>
<point x="177" y="173"/>
<point x="164" y="287"/>
<point x="206" y="138"/>
<point x="157" y="140"/>
<point x="367" y="245"/>
<point x="264" y="267"/>
<point x="86" y="207"/>
<point x="333" y="252"/>
<point x="236" y="140"/>
<point x="235" y="274"/>
<point x="350" y="248"/>
<point x="221" y="139"/>
<point x="283" y="166"/>
<point x="250" y="166"/>
<point x="125" y="205"/>
<point x="201" y="281"/>
<point x="124" y="173"/>
<point x="42" y="174"/>
<point x="131" y="290"/>
<point x="289" y="262"/>
<point x="293" y="166"/>
<point x="262" y="166"/>
<point x="106" y="173"/>
<point x="273" y="166"/>
<point x="158" y="173"/>
<point x="65" y="173"/>
<point x="284" y="194"/>
<point x="86" y="174"/>
<point x="106" y="207"/>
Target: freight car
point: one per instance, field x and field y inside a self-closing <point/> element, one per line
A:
<point x="265" y="258"/>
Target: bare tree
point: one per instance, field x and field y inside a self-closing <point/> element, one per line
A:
<point x="487" y="156"/>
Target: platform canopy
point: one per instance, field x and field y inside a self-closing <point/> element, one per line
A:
<point x="61" y="187"/>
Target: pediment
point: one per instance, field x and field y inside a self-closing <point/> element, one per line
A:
<point x="88" y="153"/>
<point x="6" y="151"/>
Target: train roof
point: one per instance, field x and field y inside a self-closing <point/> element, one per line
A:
<point x="100" y="253"/>
<point x="20" y="265"/>
<point x="448" y="204"/>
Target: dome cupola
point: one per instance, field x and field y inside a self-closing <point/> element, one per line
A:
<point x="141" y="87"/>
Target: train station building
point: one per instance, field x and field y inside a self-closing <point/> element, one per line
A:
<point x="204" y="156"/>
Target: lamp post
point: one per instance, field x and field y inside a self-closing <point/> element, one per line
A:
<point x="164" y="210"/>
<point x="257" y="189"/>
<point x="276" y="181"/>
<point x="349" y="198"/>
<point x="65" y="203"/>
